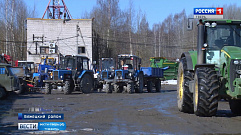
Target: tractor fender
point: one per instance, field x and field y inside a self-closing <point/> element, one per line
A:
<point x="204" y="65"/>
<point x="191" y="58"/>
<point x="86" y="72"/>
<point x="136" y="75"/>
<point x="36" y="75"/>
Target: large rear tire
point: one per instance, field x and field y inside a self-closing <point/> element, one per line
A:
<point x="48" y="88"/>
<point x="140" y="84"/>
<point x="67" y="88"/>
<point x="184" y="96"/>
<point x="205" y="97"/>
<point x="235" y="106"/>
<point x="86" y="84"/>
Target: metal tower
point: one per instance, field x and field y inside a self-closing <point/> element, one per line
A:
<point x="58" y="11"/>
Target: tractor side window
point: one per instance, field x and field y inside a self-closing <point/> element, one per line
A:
<point x="2" y="70"/>
<point x="85" y="64"/>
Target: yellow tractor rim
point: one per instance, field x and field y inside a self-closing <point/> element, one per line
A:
<point x="196" y="93"/>
<point x="181" y="86"/>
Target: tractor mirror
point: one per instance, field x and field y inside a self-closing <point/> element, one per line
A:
<point x="190" y="24"/>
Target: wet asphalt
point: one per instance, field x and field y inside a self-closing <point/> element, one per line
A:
<point x="116" y="114"/>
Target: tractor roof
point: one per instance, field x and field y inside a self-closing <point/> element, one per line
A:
<point x="127" y="56"/>
<point x="4" y="64"/>
<point x="77" y="56"/>
<point x="223" y="21"/>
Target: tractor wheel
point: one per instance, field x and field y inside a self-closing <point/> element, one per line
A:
<point x="140" y="84"/>
<point x="67" y="88"/>
<point x="21" y="89"/>
<point x="2" y="93"/>
<point x="108" y="88"/>
<point x="235" y="106"/>
<point x="86" y="84"/>
<point x="117" y="88"/>
<point x="35" y="83"/>
<point x="130" y="88"/>
<point x="48" y="88"/>
<point x="158" y="85"/>
<point x="205" y="96"/>
<point x="184" y="96"/>
<point x="149" y="86"/>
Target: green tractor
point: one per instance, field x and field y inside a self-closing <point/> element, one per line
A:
<point x="161" y="62"/>
<point x="213" y="71"/>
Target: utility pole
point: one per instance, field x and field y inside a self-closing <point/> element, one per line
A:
<point x="37" y="41"/>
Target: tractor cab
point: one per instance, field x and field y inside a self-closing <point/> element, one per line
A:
<point x="128" y="62"/>
<point x="76" y="64"/>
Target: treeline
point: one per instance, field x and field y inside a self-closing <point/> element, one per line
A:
<point x="13" y="14"/>
<point x="116" y="31"/>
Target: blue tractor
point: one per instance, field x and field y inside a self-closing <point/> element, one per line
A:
<point x="106" y="71"/>
<point x="45" y="68"/>
<point x="74" y="74"/>
<point x="128" y="76"/>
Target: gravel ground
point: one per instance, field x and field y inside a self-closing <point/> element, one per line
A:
<point x="116" y="113"/>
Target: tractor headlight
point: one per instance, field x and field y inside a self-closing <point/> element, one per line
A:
<point x="61" y="76"/>
<point x="239" y="72"/>
<point x="235" y="62"/>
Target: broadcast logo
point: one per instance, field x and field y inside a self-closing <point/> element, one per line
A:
<point x="27" y="126"/>
<point x="208" y="13"/>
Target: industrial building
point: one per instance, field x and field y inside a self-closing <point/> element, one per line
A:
<point x="54" y="37"/>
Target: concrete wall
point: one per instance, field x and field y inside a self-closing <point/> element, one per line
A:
<point x="65" y="35"/>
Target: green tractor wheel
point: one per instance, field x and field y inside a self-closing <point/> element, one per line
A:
<point x="235" y="106"/>
<point x="86" y="84"/>
<point x="67" y="88"/>
<point x="205" y="97"/>
<point x="184" y="96"/>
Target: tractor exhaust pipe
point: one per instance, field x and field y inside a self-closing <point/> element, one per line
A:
<point x="200" y="42"/>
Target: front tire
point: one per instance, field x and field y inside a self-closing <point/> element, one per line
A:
<point x="205" y="97"/>
<point x="48" y="88"/>
<point x="158" y="85"/>
<point x="108" y="88"/>
<point x="149" y="86"/>
<point x="184" y="96"/>
<point x="140" y="84"/>
<point x="67" y="88"/>
<point x="130" y="88"/>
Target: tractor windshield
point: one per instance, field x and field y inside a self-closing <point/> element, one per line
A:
<point x="68" y="63"/>
<point x="219" y="36"/>
<point x="125" y="63"/>
<point x="223" y="35"/>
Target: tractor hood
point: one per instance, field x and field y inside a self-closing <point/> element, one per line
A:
<point x="232" y="52"/>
